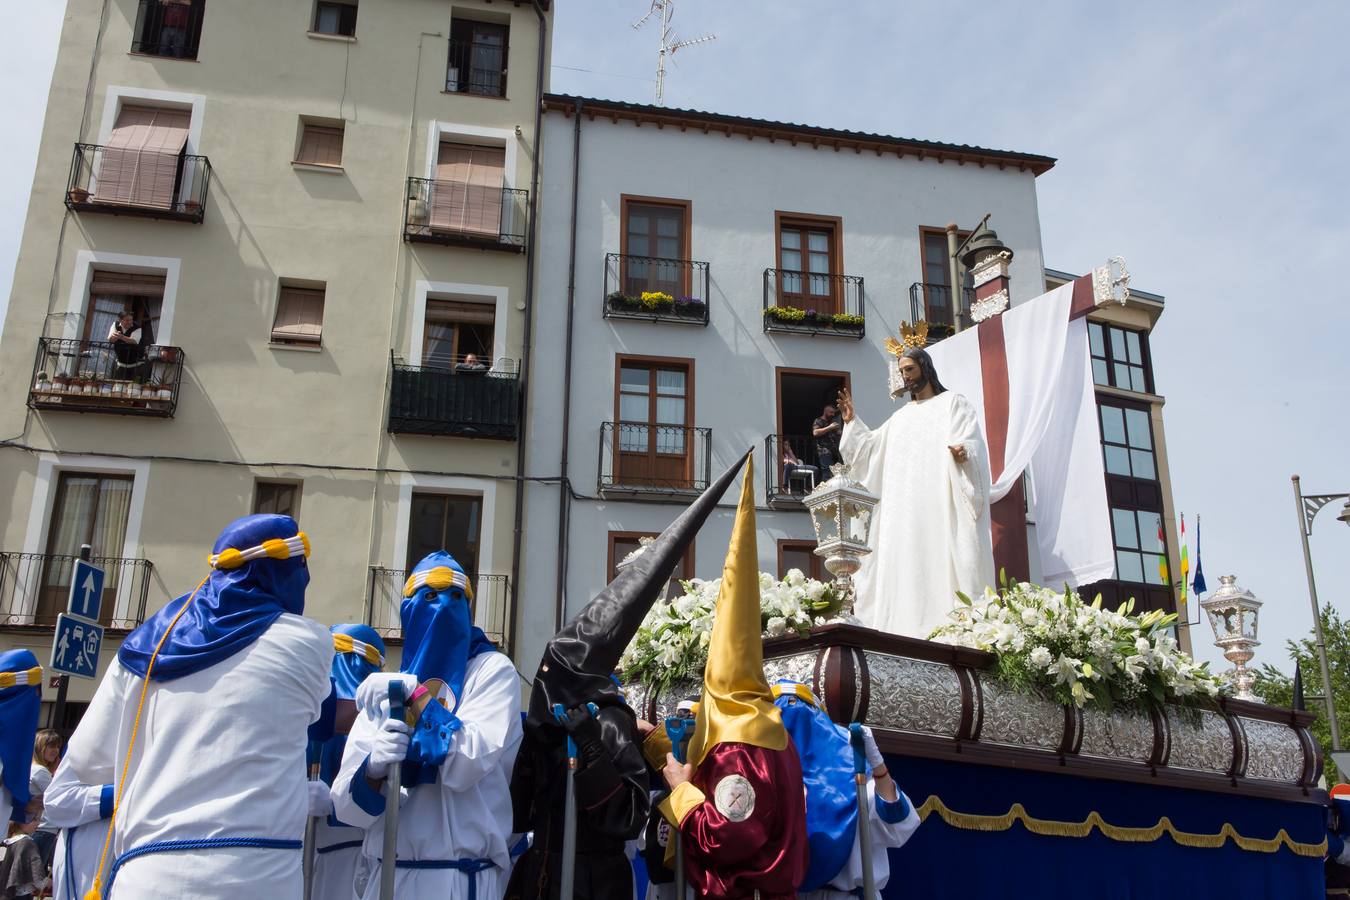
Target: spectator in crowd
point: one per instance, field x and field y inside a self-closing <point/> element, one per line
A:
<point x="46" y="755"/>
<point x="826" y="431"/>
<point x="22" y="875"/>
<point x="471" y="364"/>
<point x="128" y="354"/>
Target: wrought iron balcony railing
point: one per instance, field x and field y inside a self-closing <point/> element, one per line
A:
<point x="639" y="457"/>
<point x="98" y="376"/>
<point x="490" y="606"/>
<point x="476" y="67"/>
<point x="472" y="215"/>
<point x="171" y="29"/>
<point x="791" y="470"/>
<point x="463" y="398"/>
<point x="138" y="183"/>
<point x="35" y="587"/>
<point x="809" y="303"/>
<point x="932" y="303"/>
<point x="655" y="289"/>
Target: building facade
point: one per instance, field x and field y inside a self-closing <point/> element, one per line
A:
<point x="775" y="260"/>
<point x="317" y="216"/>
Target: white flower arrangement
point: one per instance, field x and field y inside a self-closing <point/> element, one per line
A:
<point x="672" y="642"/>
<point x="1076" y="652"/>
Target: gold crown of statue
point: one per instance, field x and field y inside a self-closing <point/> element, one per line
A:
<point x="911" y="336"/>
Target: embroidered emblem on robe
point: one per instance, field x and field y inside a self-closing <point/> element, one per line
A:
<point x="734" y="798"/>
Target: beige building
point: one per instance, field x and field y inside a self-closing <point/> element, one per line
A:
<point x="317" y="213"/>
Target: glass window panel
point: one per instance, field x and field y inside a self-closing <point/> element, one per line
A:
<point x="1122" y="375"/>
<point x="818" y="242"/>
<point x="668" y="247"/>
<point x="668" y="226"/>
<point x="820" y="263"/>
<point x="630" y="377"/>
<point x="1150" y="524"/>
<point x="1137" y="379"/>
<point x="670" y="410"/>
<point x="633" y="438"/>
<point x="1142" y="463"/>
<point x="670" y="440"/>
<point x="1136" y="422"/>
<point x="1117" y="460"/>
<point x="1095" y="339"/>
<point x="1113" y="424"/>
<point x="1099" y="373"/>
<point x="1127" y="534"/>
<point x="820" y="285"/>
<point x="794" y="556"/>
<point x="1117" y="344"/>
<point x="1135" y="355"/>
<point x="790" y="240"/>
<point x="1153" y="563"/>
<point x="670" y="381"/>
<point x="638" y="224"/>
<point x="792" y="262"/>
<point x="1129" y="566"/>
<point x="633" y="407"/>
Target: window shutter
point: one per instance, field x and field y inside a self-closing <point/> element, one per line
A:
<point x="320" y="145"/>
<point x="299" y="316"/>
<point x="139" y="165"/>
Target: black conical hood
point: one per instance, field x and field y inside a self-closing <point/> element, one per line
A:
<point x="579" y="659"/>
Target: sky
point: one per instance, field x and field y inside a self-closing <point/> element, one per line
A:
<point x="1205" y="143"/>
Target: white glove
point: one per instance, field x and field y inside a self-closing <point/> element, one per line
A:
<point x="874" y="758"/>
<point x="390" y="747"/>
<point x="320" y="798"/>
<point x="372" y="696"/>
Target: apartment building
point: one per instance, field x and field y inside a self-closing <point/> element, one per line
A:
<point x="709" y="284"/>
<point x="316" y="217"/>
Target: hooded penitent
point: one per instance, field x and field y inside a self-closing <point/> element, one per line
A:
<point x="258" y="572"/>
<point x="20" y="702"/>
<point x="611" y="781"/>
<point x="827" y="771"/>
<point x="358" y="652"/>
<point x="742" y="817"/>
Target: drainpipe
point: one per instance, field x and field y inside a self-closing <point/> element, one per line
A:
<point x="522" y="414"/>
<point x="565" y="485"/>
<point x="954" y="273"/>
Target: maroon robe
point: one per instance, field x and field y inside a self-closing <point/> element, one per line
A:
<point x="767" y="851"/>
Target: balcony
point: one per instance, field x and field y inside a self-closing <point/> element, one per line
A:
<point x="138" y="183"/>
<point x="932" y="303"/>
<point x="652" y="289"/>
<point x="476" y="67"/>
<point x="100" y="377"/>
<point x="490" y="606"/>
<point x="466" y="215"/>
<point x="639" y="459"/>
<point x="787" y="482"/>
<point x="171" y="30"/>
<point x="35" y="587"/>
<point x="806" y="303"/>
<point x="463" y="399"/>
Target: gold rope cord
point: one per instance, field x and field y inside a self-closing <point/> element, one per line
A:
<point x="1051" y="828"/>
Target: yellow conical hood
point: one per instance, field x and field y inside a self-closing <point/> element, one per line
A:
<point x="737" y="704"/>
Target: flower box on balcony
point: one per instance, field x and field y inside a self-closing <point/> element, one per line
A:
<point x="692" y="307"/>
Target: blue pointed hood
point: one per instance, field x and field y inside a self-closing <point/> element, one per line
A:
<point x="350" y="667"/>
<point x="439" y="637"/>
<point x="827" y="771"/>
<point x="19" y="707"/>
<point x="243" y="595"/>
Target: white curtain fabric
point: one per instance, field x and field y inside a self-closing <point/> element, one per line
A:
<point x="1052" y="431"/>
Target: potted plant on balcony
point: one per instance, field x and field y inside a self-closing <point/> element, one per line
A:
<point x="847" y="322"/>
<point x="621" y="302"/>
<point x="788" y="315"/>
<point x="192" y="207"/>
<point x="42" y="384"/>
<point x="690" y="307"/>
<point x="657" y="301"/>
<point x="77" y="195"/>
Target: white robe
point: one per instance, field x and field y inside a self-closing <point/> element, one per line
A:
<point x="885" y="835"/>
<point x="74" y="808"/>
<point x="220" y="754"/>
<point x="335" y="869"/>
<point x="466" y="812"/>
<point x="930" y="532"/>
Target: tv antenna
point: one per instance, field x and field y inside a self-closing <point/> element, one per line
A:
<point x="669" y="42"/>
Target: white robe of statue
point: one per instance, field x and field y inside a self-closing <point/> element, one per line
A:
<point x="466" y="812"/>
<point x="78" y="810"/>
<point x="930" y="531"/>
<point x="220" y="754"/>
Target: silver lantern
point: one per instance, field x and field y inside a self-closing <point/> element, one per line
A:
<point x="841" y="512"/>
<point x="1233" y="612"/>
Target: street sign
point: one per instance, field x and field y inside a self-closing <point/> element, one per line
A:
<point x="86" y="591"/>
<point x="75" y="646"/>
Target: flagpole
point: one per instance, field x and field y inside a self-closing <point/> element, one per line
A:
<point x="1304" y="529"/>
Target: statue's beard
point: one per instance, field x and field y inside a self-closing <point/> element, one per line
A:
<point x="913" y="387"/>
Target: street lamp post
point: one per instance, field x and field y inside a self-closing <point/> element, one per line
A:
<point x="1308" y="507"/>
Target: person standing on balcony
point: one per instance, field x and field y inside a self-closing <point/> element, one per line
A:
<point x="128" y="352"/>
<point x="176" y="19"/>
<point x="826" y="430"/>
<point x="200" y="724"/>
<point x="456" y="744"/>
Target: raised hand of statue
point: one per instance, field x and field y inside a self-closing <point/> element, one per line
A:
<point x="845" y="403"/>
<point x="959" y="453"/>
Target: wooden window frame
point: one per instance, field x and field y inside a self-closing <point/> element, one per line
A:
<point x="687" y="210"/>
<point x="464" y="23"/>
<point x="957" y="301"/>
<point x="612" y="559"/>
<point x="296" y="483"/>
<point x="1146" y="359"/>
<point x="650" y="362"/>
<point x="817" y="564"/>
<point x="811" y="221"/>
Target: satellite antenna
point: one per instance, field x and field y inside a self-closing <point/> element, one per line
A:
<point x="669" y="42"/>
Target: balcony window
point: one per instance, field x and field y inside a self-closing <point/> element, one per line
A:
<point x="89" y="509"/>
<point x="171" y="28"/>
<point x="466" y="202"/>
<point x="299" y="317"/>
<point x="781" y="291"/>
<point x="457" y="335"/>
<point x="800" y="458"/>
<point x="335" y="17"/>
<point x="1127" y="441"/>
<point x="808" y="257"/>
<point x="477" y="61"/>
<point x="931" y="300"/>
<point x="489" y="606"/>
<point x="1119" y="357"/>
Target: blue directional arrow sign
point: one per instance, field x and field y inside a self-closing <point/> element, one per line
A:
<point x="75" y="646"/>
<point x="86" y="591"/>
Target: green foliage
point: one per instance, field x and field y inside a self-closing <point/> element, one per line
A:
<point x="785" y="313"/>
<point x="1276" y="685"/>
<point x="848" y="320"/>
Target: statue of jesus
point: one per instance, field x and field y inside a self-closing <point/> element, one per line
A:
<point x="930" y="533"/>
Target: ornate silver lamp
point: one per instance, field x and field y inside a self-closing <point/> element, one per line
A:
<point x="1233" y="612"/>
<point x="841" y="512"/>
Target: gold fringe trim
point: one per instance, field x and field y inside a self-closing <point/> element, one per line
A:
<point x="1051" y="828"/>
